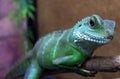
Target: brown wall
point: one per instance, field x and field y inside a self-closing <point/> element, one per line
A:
<point x="62" y="14"/>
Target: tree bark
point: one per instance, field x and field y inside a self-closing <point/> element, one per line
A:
<point x="97" y="63"/>
<point x="103" y="64"/>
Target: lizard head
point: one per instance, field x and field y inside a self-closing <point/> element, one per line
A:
<point x="94" y="31"/>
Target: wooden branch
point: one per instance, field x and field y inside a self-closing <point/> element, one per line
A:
<point x="98" y="63"/>
<point x="103" y="64"/>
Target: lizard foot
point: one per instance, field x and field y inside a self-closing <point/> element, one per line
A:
<point x="86" y="73"/>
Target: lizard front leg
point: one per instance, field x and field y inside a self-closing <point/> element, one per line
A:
<point x="85" y="72"/>
<point x="34" y="71"/>
<point x="59" y="62"/>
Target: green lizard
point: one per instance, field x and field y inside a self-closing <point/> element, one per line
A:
<point x="67" y="49"/>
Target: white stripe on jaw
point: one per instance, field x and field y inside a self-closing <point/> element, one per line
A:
<point x="97" y="39"/>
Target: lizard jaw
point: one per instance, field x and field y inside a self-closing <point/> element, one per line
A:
<point x="92" y="38"/>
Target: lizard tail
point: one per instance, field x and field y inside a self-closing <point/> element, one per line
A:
<point x="20" y="67"/>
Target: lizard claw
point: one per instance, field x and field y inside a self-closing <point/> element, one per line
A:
<point x="86" y="73"/>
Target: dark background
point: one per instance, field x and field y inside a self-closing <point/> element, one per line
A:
<point x="63" y="14"/>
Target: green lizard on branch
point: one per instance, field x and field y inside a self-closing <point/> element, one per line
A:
<point x="67" y="49"/>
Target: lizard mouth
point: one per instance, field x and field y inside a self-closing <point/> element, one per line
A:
<point x="96" y="39"/>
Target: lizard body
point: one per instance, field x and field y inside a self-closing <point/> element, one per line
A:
<point x="67" y="49"/>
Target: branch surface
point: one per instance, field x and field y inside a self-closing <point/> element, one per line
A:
<point x="103" y="64"/>
<point x="97" y="63"/>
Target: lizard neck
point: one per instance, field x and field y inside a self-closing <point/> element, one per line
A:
<point x="85" y="47"/>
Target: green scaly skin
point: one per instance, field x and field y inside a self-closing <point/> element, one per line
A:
<point x="67" y="49"/>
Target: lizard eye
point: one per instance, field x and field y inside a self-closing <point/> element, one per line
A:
<point x="92" y="23"/>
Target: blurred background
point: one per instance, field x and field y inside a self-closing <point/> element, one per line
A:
<point x="22" y="22"/>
